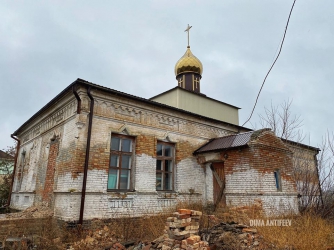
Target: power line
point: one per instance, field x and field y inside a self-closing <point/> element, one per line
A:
<point x="286" y="27"/>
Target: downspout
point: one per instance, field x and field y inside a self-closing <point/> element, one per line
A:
<point x="90" y="123"/>
<point x="15" y="163"/>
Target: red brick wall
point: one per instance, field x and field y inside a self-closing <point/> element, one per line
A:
<point x="50" y="171"/>
<point x="185" y="149"/>
<point x="264" y="154"/>
<point x="144" y="144"/>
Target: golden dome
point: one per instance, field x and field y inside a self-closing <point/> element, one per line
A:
<point x="188" y="63"/>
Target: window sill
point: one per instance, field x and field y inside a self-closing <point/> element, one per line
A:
<point x="25" y="192"/>
<point x="121" y="190"/>
<point x="168" y="194"/>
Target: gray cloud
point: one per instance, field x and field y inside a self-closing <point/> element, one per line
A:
<point x="45" y="46"/>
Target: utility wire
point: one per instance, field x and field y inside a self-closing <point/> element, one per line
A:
<point x="286" y="27"/>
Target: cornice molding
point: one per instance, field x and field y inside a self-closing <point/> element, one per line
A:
<point x="49" y="122"/>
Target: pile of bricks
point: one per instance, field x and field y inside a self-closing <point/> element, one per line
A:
<point x="194" y="242"/>
<point x="182" y="230"/>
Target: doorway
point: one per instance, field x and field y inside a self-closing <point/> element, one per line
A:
<point x="218" y="172"/>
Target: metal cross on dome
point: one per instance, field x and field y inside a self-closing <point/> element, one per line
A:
<point x="187" y="30"/>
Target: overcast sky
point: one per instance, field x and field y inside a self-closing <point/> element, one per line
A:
<point x="132" y="46"/>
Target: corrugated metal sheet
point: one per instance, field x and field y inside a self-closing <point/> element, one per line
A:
<point x="230" y="141"/>
<point x="4" y="155"/>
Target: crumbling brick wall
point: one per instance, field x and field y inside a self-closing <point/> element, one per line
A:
<point x="250" y="178"/>
<point x="305" y="168"/>
<point x="50" y="172"/>
<point x="147" y="124"/>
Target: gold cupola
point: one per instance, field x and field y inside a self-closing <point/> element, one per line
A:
<point x="188" y="63"/>
<point x="188" y="70"/>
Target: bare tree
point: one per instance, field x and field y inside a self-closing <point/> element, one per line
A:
<point x="5" y="181"/>
<point x="326" y="174"/>
<point x="314" y="174"/>
<point x="282" y="122"/>
<point x="6" y="168"/>
<point x="11" y="150"/>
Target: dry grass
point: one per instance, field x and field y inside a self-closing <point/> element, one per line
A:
<point x="145" y="228"/>
<point x="42" y="235"/>
<point x="307" y="231"/>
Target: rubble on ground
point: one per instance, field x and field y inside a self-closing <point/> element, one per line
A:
<point x="99" y="239"/>
<point x="40" y="211"/>
<point x="231" y="236"/>
<point x="181" y="232"/>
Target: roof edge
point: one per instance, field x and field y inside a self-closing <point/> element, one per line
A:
<point x="6" y="156"/>
<point x="300" y="144"/>
<point x="102" y="88"/>
<point x="192" y="92"/>
<point x="219" y="150"/>
<point x="50" y="103"/>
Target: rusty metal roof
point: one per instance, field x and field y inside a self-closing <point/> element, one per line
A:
<point x="4" y="155"/>
<point x="230" y="141"/>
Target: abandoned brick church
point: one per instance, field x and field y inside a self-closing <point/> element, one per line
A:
<point x="95" y="152"/>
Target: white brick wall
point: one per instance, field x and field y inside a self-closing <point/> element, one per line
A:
<point x="272" y="203"/>
<point x="145" y="173"/>
<point x="246" y="185"/>
<point x="145" y="200"/>
<point x="66" y="182"/>
<point x="190" y="176"/>
<point x="31" y="165"/>
<point x="22" y="201"/>
<point x="208" y="183"/>
<point x="67" y="206"/>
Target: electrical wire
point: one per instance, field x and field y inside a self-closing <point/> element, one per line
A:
<point x="286" y="27"/>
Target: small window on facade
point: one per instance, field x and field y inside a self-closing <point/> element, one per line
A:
<point x="278" y="180"/>
<point x="120" y="164"/>
<point x="165" y="166"/>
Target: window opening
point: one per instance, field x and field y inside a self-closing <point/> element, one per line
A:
<point x="120" y="165"/>
<point x="165" y="166"/>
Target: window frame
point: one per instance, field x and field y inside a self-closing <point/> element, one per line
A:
<point x="163" y="171"/>
<point x="120" y="154"/>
